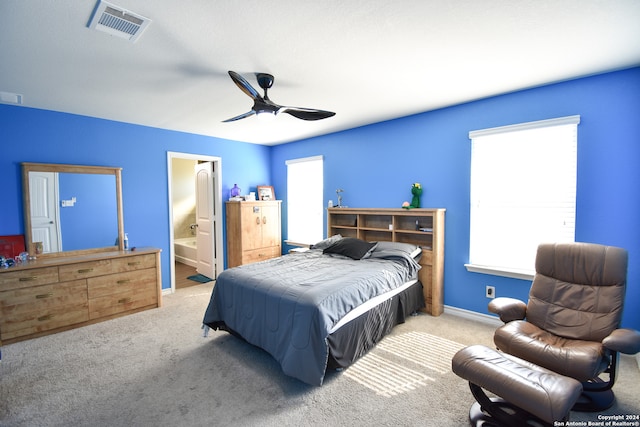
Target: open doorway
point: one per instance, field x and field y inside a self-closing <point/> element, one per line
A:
<point x="185" y="221"/>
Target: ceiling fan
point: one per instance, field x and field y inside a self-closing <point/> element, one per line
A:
<point x="264" y="107"/>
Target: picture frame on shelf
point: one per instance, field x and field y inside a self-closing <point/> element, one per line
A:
<point x="266" y="192"/>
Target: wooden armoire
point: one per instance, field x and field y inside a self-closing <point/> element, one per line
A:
<point x="253" y="231"/>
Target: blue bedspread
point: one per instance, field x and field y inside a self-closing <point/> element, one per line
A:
<point x="288" y="305"/>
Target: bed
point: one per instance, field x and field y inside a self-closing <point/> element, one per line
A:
<point x="320" y="309"/>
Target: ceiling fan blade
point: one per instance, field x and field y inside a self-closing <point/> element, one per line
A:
<point x="241" y="116"/>
<point x="244" y="85"/>
<point x="307" y="113"/>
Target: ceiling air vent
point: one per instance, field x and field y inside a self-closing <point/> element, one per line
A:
<point x="118" y="22"/>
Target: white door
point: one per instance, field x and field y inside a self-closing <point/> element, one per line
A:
<point x="205" y="219"/>
<point x="45" y="224"/>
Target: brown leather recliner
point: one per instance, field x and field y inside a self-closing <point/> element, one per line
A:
<point x="570" y="324"/>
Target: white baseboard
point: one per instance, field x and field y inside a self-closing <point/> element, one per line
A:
<point x="473" y="315"/>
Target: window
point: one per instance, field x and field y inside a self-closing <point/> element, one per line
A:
<point x="523" y="193"/>
<point x="305" y="207"/>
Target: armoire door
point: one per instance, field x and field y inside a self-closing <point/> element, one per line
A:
<point x="270" y="225"/>
<point x="251" y="227"/>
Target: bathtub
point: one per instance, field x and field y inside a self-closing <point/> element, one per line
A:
<point x="185" y="251"/>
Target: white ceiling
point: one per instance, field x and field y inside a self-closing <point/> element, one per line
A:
<point x="366" y="60"/>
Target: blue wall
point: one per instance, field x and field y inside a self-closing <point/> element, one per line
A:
<point x="30" y="135"/>
<point x="377" y="164"/>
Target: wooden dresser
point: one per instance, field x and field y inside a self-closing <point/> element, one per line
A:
<point x="421" y="227"/>
<point x="253" y="232"/>
<point x="58" y="293"/>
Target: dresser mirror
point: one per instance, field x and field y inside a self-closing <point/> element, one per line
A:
<point x="72" y="208"/>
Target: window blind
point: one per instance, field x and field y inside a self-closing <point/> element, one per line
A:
<point x="523" y="191"/>
<point x="305" y="205"/>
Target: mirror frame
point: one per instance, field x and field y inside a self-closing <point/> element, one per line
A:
<point x="61" y="168"/>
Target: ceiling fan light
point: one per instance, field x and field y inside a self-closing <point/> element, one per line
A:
<point x="266" y="115"/>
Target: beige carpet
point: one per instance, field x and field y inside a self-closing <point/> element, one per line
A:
<point x="155" y="369"/>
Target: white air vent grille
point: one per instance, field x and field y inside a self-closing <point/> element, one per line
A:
<point x="118" y="22"/>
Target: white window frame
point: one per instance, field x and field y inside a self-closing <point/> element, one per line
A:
<point x="305" y="205"/>
<point x="511" y="214"/>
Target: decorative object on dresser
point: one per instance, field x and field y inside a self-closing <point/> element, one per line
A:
<point x="422" y="226"/>
<point x="266" y="192"/>
<point x="235" y="193"/>
<point x="253" y="231"/>
<point x="11" y="246"/>
<point x="84" y="274"/>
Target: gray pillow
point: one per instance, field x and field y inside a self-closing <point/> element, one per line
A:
<point x="351" y="247"/>
<point x="396" y="246"/>
<point x="324" y="244"/>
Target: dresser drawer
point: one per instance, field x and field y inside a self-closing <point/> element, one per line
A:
<point x="261" y="254"/>
<point x="82" y="270"/>
<point x="118" y="283"/>
<point x="137" y="262"/>
<point x="121" y="292"/>
<point x="106" y="266"/>
<point x="27" y="278"/>
<point x="58" y="294"/>
<point x="41" y="308"/>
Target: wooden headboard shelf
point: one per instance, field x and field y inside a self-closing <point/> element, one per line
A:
<point x="423" y="227"/>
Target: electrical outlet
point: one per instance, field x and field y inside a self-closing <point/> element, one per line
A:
<point x="490" y="292"/>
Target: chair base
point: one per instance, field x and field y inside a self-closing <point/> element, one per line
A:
<point x="594" y="401"/>
<point x="479" y="418"/>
